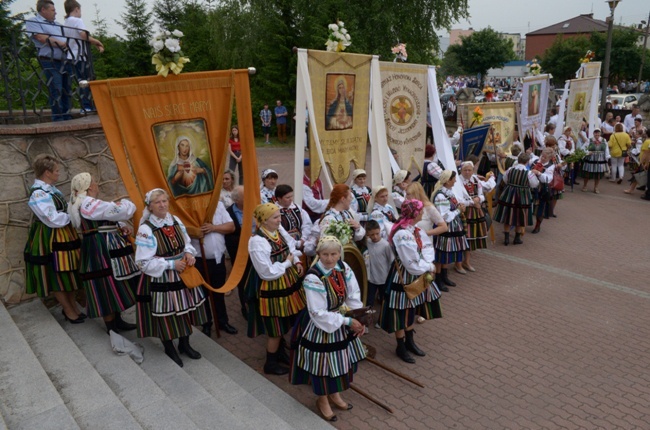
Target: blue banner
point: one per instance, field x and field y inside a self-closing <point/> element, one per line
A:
<point x="473" y="140"/>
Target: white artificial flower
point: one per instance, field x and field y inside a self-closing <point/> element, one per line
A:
<point x="344" y="31"/>
<point x="167" y="33"/>
<point x="338" y="35"/>
<point x="172" y="45"/>
<point x="347" y="36"/>
<point x="331" y="45"/>
<point x="333" y="27"/>
<point x="158" y="45"/>
<point x="178" y="33"/>
<point x="340" y="23"/>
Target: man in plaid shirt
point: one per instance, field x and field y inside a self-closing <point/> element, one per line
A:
<point x="265" y="116"/>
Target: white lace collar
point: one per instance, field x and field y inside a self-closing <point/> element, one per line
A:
<point x="160" y="222"/>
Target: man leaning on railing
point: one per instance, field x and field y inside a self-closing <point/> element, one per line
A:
<point x="50" y="42"/>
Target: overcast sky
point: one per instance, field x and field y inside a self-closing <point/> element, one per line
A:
<point x="508" y="16"/>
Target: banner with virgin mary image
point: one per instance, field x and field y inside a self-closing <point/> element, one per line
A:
<point x="580" y="103"/>
<point x="404" y="99"/>
<point x="501" y="117"/>
<point x="534" y="100"/>
<point x="340" y="85"/>
<point x="172" y="133"/>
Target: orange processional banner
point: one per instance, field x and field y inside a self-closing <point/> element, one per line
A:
<point x="172" y="133"/>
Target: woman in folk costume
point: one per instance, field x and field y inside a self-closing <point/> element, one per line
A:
<point x="166" y="307"/>
<point x="556" y="158"/>
<point x="107" y="263"/>
<point x="543" y="195"/>
<point x="477" y="229"/>
<point x="381" y="211"/>
<point x="362" y="194"/>
<point x="451" y="245"/>
<point x="327" y="345"/>
<point x="594" y="165"/>
<point x="400" y="182"/>
<point x="267" y="187"/>
<point x="414" y="256"/>
<point x="515" y="202"/>
<point x="431" y="170"/>
<point x="274" y="289"/>
<point x="339" y="209"/>
<point x="52" y="251"/>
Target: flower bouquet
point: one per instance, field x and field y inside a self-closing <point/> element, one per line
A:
<point x="338" y="39"/>
<point x="489" y="93"/>
<point x="477" y="116"/>
<point x="534" y="68"/>
<point x="587" y="58"/>
<point x="167" y="53"/>
<point x="400" y="52"/>
<point x="341" y="230"/>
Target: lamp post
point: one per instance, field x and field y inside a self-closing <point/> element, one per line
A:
<point x="643" y="53"/>
<point x="608" y="50"/>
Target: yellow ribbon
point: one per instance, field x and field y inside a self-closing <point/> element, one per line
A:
<point x="163" y="69"/>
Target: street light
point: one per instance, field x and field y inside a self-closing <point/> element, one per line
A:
<point x="605" y="81"/>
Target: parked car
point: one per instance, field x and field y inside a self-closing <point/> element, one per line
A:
<point x="625" y="101"/>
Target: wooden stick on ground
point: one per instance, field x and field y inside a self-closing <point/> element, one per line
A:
<point x="372" y="399"/>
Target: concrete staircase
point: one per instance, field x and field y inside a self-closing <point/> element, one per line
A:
<point x="56" y="375"/>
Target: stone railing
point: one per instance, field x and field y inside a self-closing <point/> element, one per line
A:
<point x="81" y="146"/>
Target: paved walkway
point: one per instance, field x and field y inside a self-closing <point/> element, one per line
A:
<point x="551" y="334"/>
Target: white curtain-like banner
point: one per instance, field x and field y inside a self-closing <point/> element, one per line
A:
<point x="561" y="112"/>
<point x="580" y="100"/>
<point x="534" y="100"/>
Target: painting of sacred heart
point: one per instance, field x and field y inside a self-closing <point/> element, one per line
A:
<point x="184" y="155"/>
<point x="339" y="100"/>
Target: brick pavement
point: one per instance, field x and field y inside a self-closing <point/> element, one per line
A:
<point x="549" y="334"/>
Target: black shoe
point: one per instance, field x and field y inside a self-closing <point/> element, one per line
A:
<point x="79" y="320"/>
<point x="641" y="188"/>
<point x="110" y="325"/>
<point x="411" y="346"/>
<point x="272" y="367"/>
<point x="445" y="278"/>
<point x="207" y="329"/>
<point x="170" y="351"/>
<point x="506" y="239"/>
<point x="185" y="348"/>
<point x="82" y="315"/>
<point x="228" y="328"/>
<point x="644" y="197"/>
<point x="536" y="230"/>
<point x="441" y="285"/>
<point x="123" y="325"/>
<point x="403" y="353"/>
<point x="517" y="240"/>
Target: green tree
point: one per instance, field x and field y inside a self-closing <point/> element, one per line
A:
<point x="168" y="13"/>
<point x="137" y="23"/>
<point x="562" y="59"/>
<point x="483" y="50"/>
<point x="451" y="65"/>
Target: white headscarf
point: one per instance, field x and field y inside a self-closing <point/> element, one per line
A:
<point x="147" y="200"/>
<point x="78" y="191"/>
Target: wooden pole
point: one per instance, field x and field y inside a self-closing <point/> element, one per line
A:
<point x="372" y="399"/>
<point x="393" y="371"/>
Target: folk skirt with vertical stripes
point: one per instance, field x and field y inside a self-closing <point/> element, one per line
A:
<point x="450" y="246"/>
<point x="476" y="228"/>
<point x="104" y="293"/>
<point x="515" y="206"/>
<point x="51" y="259"/>
<point x="327" y="361"/>
<point x="398" y="311"/>
<point x="594" y="165"/>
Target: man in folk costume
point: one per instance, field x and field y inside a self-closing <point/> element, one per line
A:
<point x="313" y="198"/>
<point x="294" y="219"/>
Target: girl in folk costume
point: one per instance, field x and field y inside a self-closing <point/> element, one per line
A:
<point x="432" y="222"/>
<point x="543" y="195"/>
<point x="594" y="165"/>
<point x="338" y="209"/>
<point x="295" y="220"/>
<point x="274" y="290"/>
<point x="107" y="263"/>
<point x="52" y="250"/>
<point x="327" y="345"/>
<point x="567" y="146"/>
<point x="166" y="307"/>
<point x="362" y="194"/>
<point x="515" y="202"/>
<point x="267" y="187"/>
<point x="476" y="224"/>
<point x="414" y="256"/>
<point x="400" y="182"/>
<point x="312" y="194"/>
<point x="451" y="245"/>
<point x="381" y="211"/>
<point x="431" y="170"/>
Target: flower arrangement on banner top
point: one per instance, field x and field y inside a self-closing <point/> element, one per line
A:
<point x="477" y="116"/>
<point x="341" y="230"/>
<point x="587" y="58"/>
<point x="534" y="68"/>
<point x="400" y="52"/>
<point x="338" y="38"/>
<point x="167" y="53"/>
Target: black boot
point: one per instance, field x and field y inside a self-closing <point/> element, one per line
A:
<point x="123" y="325"/>
<point x="171" y="352"/>
<point x="411" y="346"/>
<point x="506" y="240"/>
<point x="445" y="278"/>
<point x="402" y="352"/>
<point x="440" y="284"/>
<point x="517" y="240"/>
<point x="538" y="224"/>
<point x="272" y="367"/>
<point x="185" y="348"/>
<point x="207" y="329"/>
<point x="283" y="356"/>
<point x="110" y="325"/>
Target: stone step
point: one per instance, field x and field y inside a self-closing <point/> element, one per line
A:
<point x="28" y="399"/>
<point x="148" y="404"/>
<point x="264" y="391"/>
<point x="89" y="399"/>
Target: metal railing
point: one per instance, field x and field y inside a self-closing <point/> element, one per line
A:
<point x="30" y="82"/>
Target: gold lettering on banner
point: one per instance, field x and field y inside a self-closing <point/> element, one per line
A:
<point x="170" y="87"/>
<point x="177" y="109"/>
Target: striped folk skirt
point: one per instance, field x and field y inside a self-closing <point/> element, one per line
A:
<point x="450" y="246"/>
<point x="476" y="228"/>
<point x="398" y="311"/>
<point x="277" y="305"/>
<point x="105" y="294"/>
<point x="51" y="259"/>
<point x="327" y="361"/>
<point x="594" y="165"/>
<point x="515" y="206"/>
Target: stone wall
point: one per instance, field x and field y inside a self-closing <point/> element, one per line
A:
<point x="81" y="146"/>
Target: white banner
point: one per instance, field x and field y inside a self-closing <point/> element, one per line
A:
<point x="580" y="100"/>
<point x="534" y="100"/>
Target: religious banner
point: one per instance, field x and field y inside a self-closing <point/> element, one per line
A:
<point x="404" y="97"/>
<point x="580" y="102"/>
<point x="589" y="70"/>
<point x="473" y="141"/>
<point x="340" y="85"/>
<point x="172" y="133"/>
<point x="534" y="100"/>
<point x="501" y="117"/>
